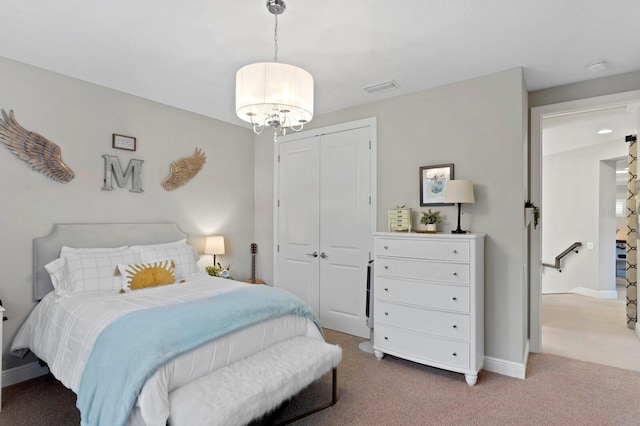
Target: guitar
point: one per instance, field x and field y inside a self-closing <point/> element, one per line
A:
<point x="253" y="280"/>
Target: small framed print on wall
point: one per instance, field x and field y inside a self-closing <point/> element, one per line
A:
<point x="433" y="184"/>
<point x="124" y="142"/>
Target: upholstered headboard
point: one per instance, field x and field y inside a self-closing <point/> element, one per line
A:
<point x="47" y="248"/>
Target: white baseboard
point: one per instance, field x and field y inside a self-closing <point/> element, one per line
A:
<point x="508" y="368"/>
<point x="22" y="373"/>
<point x="598" y="294"/>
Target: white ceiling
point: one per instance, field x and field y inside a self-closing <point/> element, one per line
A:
<point x="186" y="53"/>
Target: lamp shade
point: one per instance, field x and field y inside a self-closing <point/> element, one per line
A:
<point x="267" y="88"/>
<point x="214" y="245"/>
<point x="459" y="191"/>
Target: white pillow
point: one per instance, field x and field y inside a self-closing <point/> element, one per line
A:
<point x="183" y="256"/>
<point x="57" y="270"/>
<point x="95" y="270"/>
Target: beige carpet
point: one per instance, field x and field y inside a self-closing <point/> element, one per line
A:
<point x="589" y="329"/>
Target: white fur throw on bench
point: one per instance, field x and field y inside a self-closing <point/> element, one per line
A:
<point x="254" y="386"/>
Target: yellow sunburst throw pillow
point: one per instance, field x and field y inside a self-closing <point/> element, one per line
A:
<point x="137" y="276"/>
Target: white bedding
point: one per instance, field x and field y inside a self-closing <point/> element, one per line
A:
<point x="62" y="332"/>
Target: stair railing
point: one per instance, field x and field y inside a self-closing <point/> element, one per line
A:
<point x="571" y="248"/>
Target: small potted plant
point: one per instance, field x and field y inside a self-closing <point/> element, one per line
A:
<point x="534" y="213"/>
<point x="431" y="219"/>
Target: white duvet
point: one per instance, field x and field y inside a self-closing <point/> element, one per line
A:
<point x="62" y="332"/>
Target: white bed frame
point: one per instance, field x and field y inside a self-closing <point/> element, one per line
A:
<point x="310" y="366"/>
<point x="83" y="235"/>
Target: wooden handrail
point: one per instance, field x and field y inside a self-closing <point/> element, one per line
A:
<point x="559" y="257"/>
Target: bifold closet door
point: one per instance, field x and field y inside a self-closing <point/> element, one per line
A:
<point x="345" y="232"/>
<point x="324" y="229"/>
<point x="298" y="219"/>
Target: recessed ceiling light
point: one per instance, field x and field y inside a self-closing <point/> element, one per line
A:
<point x="596" y="66"/>
<point x="604" y="131"/>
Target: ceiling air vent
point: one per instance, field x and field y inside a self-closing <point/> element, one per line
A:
<point x="379" y="87"/>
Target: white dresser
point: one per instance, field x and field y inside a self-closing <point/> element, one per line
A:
<point x="429" y="300"/>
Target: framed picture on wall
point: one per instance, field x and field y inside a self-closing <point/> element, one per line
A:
<point x="433" y="184"/>
<point x="123" y="142"/>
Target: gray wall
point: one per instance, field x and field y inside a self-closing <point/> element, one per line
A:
<point x="575" y="186"/>
<point x="479" y="126"/>
<point x="586" y="89"/>
<point x="81" y="117"/>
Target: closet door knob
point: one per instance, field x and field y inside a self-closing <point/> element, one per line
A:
<point x="455" y="274"/>
<point x="455" y="354"/>
<point x="386" y="266"/>
<point x="454" y="251"/>
<point x="386" y="247"/>
<point x="323" y="255"/>
<point x="454" y="298"/>
<point x="314" y="254"/>
<point x="386" y="338"/>
<point x="386" y="289"/>
<point x="386" y="313"/>
<point x="455" y="326"/>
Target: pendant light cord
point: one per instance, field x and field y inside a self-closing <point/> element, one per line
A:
<point x="275" y="40"/>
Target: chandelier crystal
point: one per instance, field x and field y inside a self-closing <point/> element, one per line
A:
<point x="272" y="94"/>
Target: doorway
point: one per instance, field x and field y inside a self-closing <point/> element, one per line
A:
<point x="538" y="115"/>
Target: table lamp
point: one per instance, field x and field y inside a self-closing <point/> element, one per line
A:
<point x="459" y="191"/>
<point x="214" y="245"/>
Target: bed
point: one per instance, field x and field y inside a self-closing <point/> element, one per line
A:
<point x="143" y="354"/>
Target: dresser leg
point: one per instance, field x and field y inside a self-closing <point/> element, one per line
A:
<point x="471" y="379"/>
<point x="378" y="355"/>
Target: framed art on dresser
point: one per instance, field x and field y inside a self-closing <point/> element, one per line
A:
<point x="433" y="184"/>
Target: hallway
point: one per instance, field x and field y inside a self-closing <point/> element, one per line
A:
<point x="589" y="329"/>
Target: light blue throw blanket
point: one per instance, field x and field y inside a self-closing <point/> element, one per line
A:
<point x="134" y="346"/>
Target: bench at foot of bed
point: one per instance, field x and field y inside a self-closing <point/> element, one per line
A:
<point x="256" y="385"/>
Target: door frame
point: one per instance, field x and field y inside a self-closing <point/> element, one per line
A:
<point x="371" y="123"/>
<point x="535" y="194"/>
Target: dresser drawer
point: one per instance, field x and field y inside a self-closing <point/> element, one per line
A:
<point x="439" y="296"/>
<point x="423" y="249"/>
<point x="445" y="324"/>
<point x="456" y="273"/>
<point x="423" y="346"/>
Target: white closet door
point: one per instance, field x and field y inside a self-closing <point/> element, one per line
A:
<point x="345" y="231"/>
<point x="298" y="218"/>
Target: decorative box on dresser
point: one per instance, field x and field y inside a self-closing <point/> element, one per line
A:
<point x="429" y="300"/>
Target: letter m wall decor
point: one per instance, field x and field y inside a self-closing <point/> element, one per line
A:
<point x="113" y="169"/>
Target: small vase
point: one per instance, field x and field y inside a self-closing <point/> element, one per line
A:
<point x="431" y="227"/>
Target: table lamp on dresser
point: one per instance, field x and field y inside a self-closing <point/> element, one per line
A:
<point x="459" y="191"/>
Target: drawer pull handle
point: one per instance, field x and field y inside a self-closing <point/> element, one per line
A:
<point x="454" y="298"/>
<point x="455" y="326"/>
<point x="386" y="313"/>
<point x="455" y="354"/>
<point x="386" y="247"/>
<point x="386" y="289"/>
<point x="386" y="266"/>
<point x="454" y="251"/>
<point x="455" y="274"/>
<point x="386" y="338"/>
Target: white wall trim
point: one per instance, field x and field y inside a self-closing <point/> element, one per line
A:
<point x="508" y="368"/>
<point x="537" y="114"/>
<point x="598" y="294"/>
<point x="22" y="373"/>
<point x="638" y="329"/>
<point x="504" y="367"/>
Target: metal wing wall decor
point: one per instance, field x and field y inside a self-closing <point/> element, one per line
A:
<point x="40" y="153"/>
<point x="183" y="170"/>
